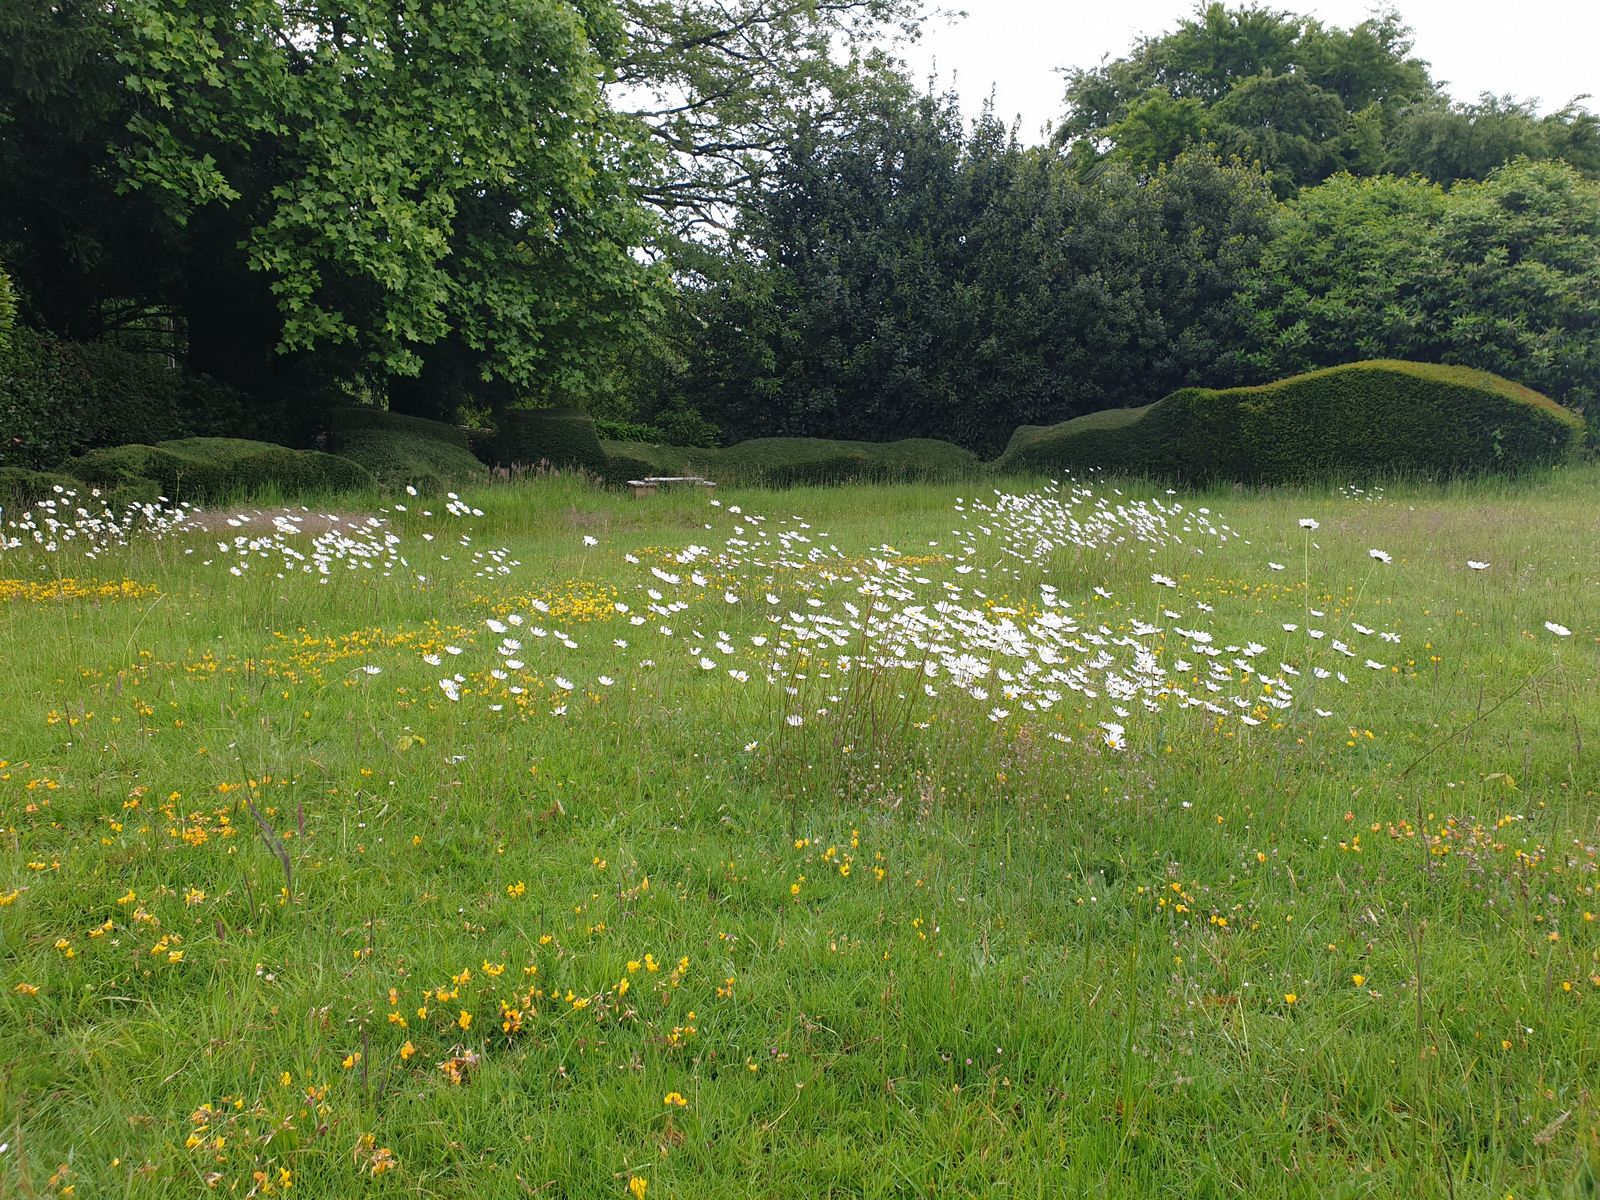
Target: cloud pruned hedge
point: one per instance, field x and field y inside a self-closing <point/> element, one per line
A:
<point x="564" y="438"/>
<point x="344" y="422"/>
<point x="400" y="450"/>
<point x="1364" y="419"/>
<point x="396" y="459"/>
<point x="793" y="461"/>
<point x="207" y="469"/>
<point x="20" y="487"/>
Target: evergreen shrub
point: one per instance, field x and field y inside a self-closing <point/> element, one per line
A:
<point x="1382" y="417"/>
<point x="563" y="437"/>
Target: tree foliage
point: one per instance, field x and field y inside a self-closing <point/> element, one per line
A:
<point x="722" y="85"/>
<point x="664" y="211"/>
<point x="1305" y="100"/>
<point x="1468" y="141"/>
<point x="1502" y="275"/>
<point x="382" y="185"/>
<point x="920" y="280"/>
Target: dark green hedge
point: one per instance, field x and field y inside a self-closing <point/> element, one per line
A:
<point x="200" y="470"/>
<point x="800" y="462"/>
<point x="8" y="312"/>
<point x="657" y="458"/>
<point x="482" y="443"/>
<point x="1365" y="419"/>
<point x="56" y="398"/>
<point x="343" y="422"/>
<point x="620" y="468"/>
<point x="676" y="427"/>
<point x="562" y="437"/>
<point x="396" y="459"/>
<point x="113" y="466"/>
<point x="792" y="462"/>
<point x="20" y="487"/>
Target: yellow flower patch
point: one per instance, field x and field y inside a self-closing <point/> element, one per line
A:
<point x="45" y="591"/>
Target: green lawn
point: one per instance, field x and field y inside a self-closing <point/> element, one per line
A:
<point x="270" y="923"/>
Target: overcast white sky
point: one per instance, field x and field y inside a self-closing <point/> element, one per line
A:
<point x="1544" y="49"/>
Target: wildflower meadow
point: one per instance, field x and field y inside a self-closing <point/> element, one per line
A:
<point x="1022" y="838"/>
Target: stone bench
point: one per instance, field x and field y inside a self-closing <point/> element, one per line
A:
<point x="650" y="483"/>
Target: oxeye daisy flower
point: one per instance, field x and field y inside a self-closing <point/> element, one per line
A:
<point x="1310" y="523"/>
<point x="1380" y="556"/>
<point x="1557" y="629"/>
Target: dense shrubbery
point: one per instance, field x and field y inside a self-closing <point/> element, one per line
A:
<point x="398" y="450"/>
<point x="56" y="398"/>
<point x="621" y="468"/>
<point x="244" y="467"/>
<point x="790" y="462"/>
<point x="481" y="442"/>
<point x="8" y="313"/>
<point x="676" y="427"/>
<point x="562" y="437"/>
<point x="396" y="459"/>
<point x="20" y="487"/>
<point x="344" y="421"/>
<point x="657" y="458"/>
<point x="207" y="469"/>
<point x="1354" y="421"/>
<point x="798" y="462"/>
<point x="795" y="462"/>
<point x="1502" y="275"/>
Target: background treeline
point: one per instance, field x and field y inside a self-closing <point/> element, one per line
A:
<point x="732" y="218"/>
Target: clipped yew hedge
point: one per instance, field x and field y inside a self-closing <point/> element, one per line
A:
<point x="343" y="422"/>
<point x="793" y="461"/>
<point x="205" y="469"/>
<point x="20" y="487"/>
<point x="564" y="438"/>
<point x="1382" y="417"/>
<point x="397" y="459"/>
<point x="58" y="398"/>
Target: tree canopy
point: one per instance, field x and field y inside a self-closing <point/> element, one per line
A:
<point x="741" y="215"/>
<point x="721" y="86"/>
<point x="926" y="280"/>
<point x="1306" y="101"/>
<point x="379" y="183"/>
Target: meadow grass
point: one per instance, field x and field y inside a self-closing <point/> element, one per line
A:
<point x="272" y="924"/>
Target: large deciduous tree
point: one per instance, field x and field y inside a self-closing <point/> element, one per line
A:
<point x="1502" y="275"/>
<point x="722" y="86"/>
<point x="436" y="191"/>
<point x="1303" y="99"/>
<point x="1469" y="141"/>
